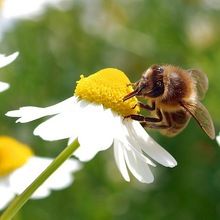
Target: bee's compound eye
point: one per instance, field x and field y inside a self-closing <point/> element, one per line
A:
<point x="160" y="70"/>
<point x="157" y="69"/>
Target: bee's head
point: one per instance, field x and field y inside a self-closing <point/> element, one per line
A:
<point x="150" y="85"/>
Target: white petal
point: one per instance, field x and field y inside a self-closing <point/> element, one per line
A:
<point x="149" y="146"/>
<point x="24" y="176"/>
<point x="31" y="113"/>
<point x="4" y="86"/>
<point x="138" y="168"/>
<point x="6" y="195"/>
<point x="71" y="139"/>
<point x="85" y="153"/>
<point x="120" y="160"/>
<point x="58" y="127"/>
<point x="63" y="177"/>
<point x="5" y="60"/>
<point x="95" y="131"/>
<point x="96" y="127"/>
<point x="129" y="142"/>
<point x="41" y="193"/>
<point x="135" y="160"/>
<point x="58" y="182"/>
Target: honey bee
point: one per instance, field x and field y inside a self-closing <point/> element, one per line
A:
<point x="173" y="96"/>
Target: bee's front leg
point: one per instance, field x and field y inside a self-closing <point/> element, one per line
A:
<point x="133" y="85"/>
<point x="145" y="106"/>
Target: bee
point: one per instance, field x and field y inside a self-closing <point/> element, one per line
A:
<point x="174" y="96"/>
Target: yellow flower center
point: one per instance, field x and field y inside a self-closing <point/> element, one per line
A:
<point x="108" y="87"/>
<point x="13" y="155"/>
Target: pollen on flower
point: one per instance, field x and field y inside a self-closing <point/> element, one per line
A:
<point x="107" y="87"/>
<point x="13" y="154"/>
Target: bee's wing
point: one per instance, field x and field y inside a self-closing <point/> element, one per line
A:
<point x="201" y="81"/>
<point x="202" y="116"/>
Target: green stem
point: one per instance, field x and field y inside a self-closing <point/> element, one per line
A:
<point x="19" y="201"/>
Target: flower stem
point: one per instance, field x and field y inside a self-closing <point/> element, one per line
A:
<point x="19" y="201"/>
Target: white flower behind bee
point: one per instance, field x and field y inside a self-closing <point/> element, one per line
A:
<point x="95" y="115"/>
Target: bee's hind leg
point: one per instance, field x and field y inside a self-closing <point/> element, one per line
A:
<point x="143" y="119"/>
<point x="151" y="122"/>
<point x="159" y="126"/>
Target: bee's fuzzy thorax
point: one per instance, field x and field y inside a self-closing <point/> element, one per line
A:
<point x="178" y="85"/>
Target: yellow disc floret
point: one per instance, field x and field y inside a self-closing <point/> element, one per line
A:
<point x="108" y="87"/>
<point x="13" y="154"/>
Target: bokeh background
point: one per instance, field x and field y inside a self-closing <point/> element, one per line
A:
<point x="84" y="36"/>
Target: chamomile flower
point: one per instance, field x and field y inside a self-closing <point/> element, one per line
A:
<point x="4" y="61"/>
<point x="19" y="167"/>
<point x="95" y="116"/>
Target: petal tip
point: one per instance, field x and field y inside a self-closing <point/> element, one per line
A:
<point x="173" y="163"/>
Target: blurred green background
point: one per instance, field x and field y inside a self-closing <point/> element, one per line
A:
<point x="131" y="35"/>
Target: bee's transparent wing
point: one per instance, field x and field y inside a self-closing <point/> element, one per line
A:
<point x="201" y="81"/>
<point x="202" y="116"/>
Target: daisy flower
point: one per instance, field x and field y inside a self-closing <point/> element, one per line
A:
<point x="95" y="116"/>
<point x="19" y="167"/>
<point x="4" y="61"/>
